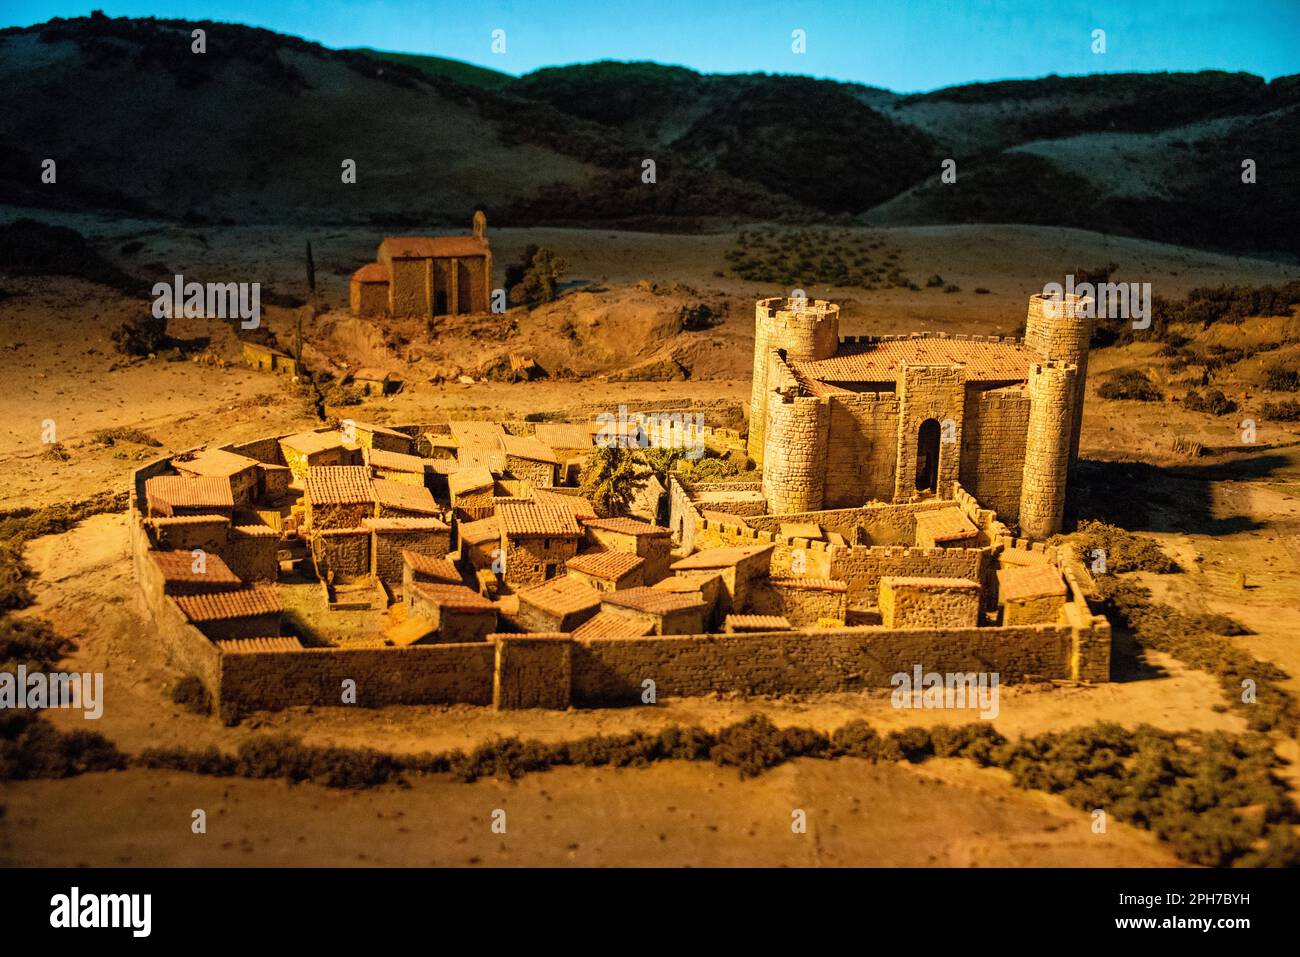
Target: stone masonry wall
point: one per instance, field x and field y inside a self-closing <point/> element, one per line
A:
<point x="993" y="449"/>
<point x="1047" y="448"/>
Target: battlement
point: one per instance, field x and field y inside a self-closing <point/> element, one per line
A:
<point x="784" y="306"/>
<point x="903" y="337"/>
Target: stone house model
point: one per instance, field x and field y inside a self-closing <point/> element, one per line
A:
<point x="451" y="562"/>
<point x="835" y="423"/>
<point x="420" y="277"/>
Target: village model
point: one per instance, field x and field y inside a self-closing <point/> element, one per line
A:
<point x="479" y="461"/>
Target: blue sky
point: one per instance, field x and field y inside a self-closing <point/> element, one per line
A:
<point x="904" y="45"/>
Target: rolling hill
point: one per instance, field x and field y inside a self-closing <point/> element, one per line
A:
<point x="257" y="130"/>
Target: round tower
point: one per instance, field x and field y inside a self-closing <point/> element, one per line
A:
<point x="1052" y="388"/>
<point x="805" y="330"/>
<point x="1059" y="328"/>
<point x="794" y="474"/>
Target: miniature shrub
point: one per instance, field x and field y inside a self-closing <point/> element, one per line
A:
<point x="1287" y="410"/>
<point x="1212" y="401"/>
<point x="209" y="760"/>
<point x="1119" y="549"/>
<point x="1282" y="378"/>
<point x="142" y="336"/>
<point x="126" y="434"/>
<point x="31" y="747"/>
<point x="191" y="694"/>
<point x="1131" y="385"/>
<point x="756" y="744"/>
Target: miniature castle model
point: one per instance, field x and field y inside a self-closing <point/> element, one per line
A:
<point x="458" y="562"/>
<point x="420" y="277"/>
<point x="836" y="423"/>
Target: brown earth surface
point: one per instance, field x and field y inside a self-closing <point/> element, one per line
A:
<point x="1231" y="511"/>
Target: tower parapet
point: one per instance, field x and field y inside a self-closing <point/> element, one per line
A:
<point x="1052" y="389"/>
<point x="1059" y="329"/>
<point x="803" y="329"/>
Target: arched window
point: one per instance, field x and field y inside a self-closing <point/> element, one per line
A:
<point x="927" y="456"/>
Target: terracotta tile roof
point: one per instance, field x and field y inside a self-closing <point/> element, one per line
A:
<point x="309" y="443"/>
<point x="371" y="272"/>
<point x="374" y="428"/>
<point x="395" y="461"/>
<point x="810" y="584"/>
<point x="757" y="623"/>
<point x="258" y="530"/>
<point x="528" y="447"/>
<point x="484" y="530"/>
<point x="879" y="361"/>
<point x="248" y="645"/>
<point x="427" y="566"/>
<point x="178" y="566"/>
<point x="339" y="485"/>
<point x="183" y="491"/>
<point x="606" y="624"/>
<point x="627" y="526"/>
<point x="213" y="462"/>
<point x="580" y="507"/>
<point x="477" y="432"/>
<point x="456" y="597"/>
<point x="408" y="523"/>
<point x="469" y="480"/>
<point x="482" y="455"/>
<point x="432" y="247"/>
<point x="652" y="601"/>
<point x="530" y="636"/>
<point x="533" y="519"/>
<point x="564" y="435"/>
<point x="222" y="606"/>
<point x="169" y="521"/>
<point x="946" y="524"/>
<point x="407" y="498"/>
<point x="687" y="582"/>
<point x="720" y="557"/>
<point x="561" y="596"/>
<point x="1030" y="581"/>
<point x="609" y="566"/>
<point x="919" y="581"/>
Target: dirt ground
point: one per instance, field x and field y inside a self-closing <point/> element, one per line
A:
<point x="1234" y="511"/>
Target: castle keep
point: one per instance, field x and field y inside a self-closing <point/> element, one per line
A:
<point x="836" y="423"/>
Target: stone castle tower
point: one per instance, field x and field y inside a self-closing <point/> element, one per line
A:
<point x="1049" y="445"/>
<point x="837" y="423"/>
<point x="797" y="327"/>
<point x="1061" y="331"/>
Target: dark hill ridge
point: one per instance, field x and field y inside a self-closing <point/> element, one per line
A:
<point x="256" y="131"/>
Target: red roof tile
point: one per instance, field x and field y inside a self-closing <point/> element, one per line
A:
<point x="178" y="566"/>
<point x="627" y="526"/>
<point x="437" y="569"/>
<point x="531" y="519"/>
<point x="609" y="566"/>
<point x="528" y="447"/>
<point x="652" y="601"/>
<point x="878" y="361"/>
<point x="1030" y="581"/>
<point x="561" y="596"/>
<point x="606" y="624"/>
<point x="757" y="623"/>
<point x="456" y="597"/>
<point x="720" y="557"/>
<point x="183" y="491"/>
<point x="213" y="462"/>
<point x="339" y="485"/>
<point x="371" y="272"/>
<point x="406" y="498"/>
<point x="221" y="606"/>
<point x="250" y="645"/>
<point x="432" y="247"/>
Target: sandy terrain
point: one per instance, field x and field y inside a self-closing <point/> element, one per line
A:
<point x="1219" y="516"/>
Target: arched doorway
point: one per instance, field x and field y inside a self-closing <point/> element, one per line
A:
<point x="927" y="456"/>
